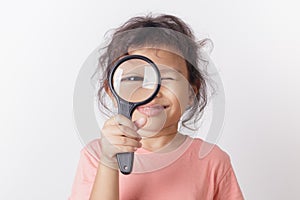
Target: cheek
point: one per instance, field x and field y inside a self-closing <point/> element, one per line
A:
<point x="179" y="93"/>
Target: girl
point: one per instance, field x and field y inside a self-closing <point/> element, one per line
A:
<point x="166" y="163"/>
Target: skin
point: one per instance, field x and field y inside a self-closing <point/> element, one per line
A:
<point x="150" y="132"/>
<point x="163" y="128"/>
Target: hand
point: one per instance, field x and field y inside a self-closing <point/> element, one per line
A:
<point x="119" y="134"/>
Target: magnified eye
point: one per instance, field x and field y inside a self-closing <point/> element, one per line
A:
<point x="132" y="78"/>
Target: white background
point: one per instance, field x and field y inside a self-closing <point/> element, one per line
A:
<point x="44" y="43"/>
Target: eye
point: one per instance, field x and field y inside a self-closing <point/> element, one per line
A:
<point x="168" y="75"/>
<point x="132" y="78"/>
<point x="168" y="78"/>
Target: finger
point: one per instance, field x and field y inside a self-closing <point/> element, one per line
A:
<point x="120" y="130"/>
<point x="121" y="120"/>
<point x="122" y="149"/>
<point x="124" y="141"/>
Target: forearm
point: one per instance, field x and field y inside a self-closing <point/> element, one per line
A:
<point x="106" y="184"/>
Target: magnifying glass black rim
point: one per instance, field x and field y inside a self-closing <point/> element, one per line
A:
<point x="124" y="59"/>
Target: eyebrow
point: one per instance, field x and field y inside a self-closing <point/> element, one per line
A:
<point x="172" y="69"/>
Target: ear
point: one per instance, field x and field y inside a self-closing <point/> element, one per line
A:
<point x="108" y="91"/>
<point x="193" y="93"/>
<point x="195" y="89"/>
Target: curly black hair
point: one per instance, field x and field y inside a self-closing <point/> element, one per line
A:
<point x="157" y="31"/>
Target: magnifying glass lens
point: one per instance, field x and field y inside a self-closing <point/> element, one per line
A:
<point x="135" y="80"/>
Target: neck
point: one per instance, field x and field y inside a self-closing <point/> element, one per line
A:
<point x="168" y="137"/>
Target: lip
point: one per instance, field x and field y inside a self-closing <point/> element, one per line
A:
<point x="152" y="110"/>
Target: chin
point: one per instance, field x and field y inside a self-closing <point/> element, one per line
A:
<point x="154" y="124"/>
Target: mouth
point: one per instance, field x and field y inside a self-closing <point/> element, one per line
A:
<point x="152" y="110"/>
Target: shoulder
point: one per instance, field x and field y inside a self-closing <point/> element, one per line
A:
<point x="210" y="155"/>
<point x="210" y="159"/>
<point x="212" y="167"/>
<point x="208" y="150"/>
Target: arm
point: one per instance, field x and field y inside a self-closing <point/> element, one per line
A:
<point x="93" y="180"/>
<point x="119" y="134"/>
<point x="106" y="185"/>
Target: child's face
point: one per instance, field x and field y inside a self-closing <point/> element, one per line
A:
<point x="164" y="112"/>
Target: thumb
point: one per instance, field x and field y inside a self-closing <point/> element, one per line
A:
<point x="140" y="122"/>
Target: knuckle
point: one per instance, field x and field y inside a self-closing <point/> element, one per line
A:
<point x="125" y="130"/>
<point x="130" y="149"/>
<point x="121" y="127"/>
<point x="124" y="140"/>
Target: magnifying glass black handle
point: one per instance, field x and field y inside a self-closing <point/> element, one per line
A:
<point x="126" y="108"/>
<point x="125" y="160"/>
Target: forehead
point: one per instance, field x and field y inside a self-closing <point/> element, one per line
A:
<point x="163" y="59"/>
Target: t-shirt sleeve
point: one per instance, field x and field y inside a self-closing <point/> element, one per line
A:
<point x="228" y="188"/>
<point x="85" y="176"/>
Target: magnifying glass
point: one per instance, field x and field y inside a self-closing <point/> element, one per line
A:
<point x="134" y="81"/>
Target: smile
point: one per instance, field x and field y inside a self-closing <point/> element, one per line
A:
<point x="152" y="110"/>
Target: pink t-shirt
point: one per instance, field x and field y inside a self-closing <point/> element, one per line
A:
<point x="183" y="175"/>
